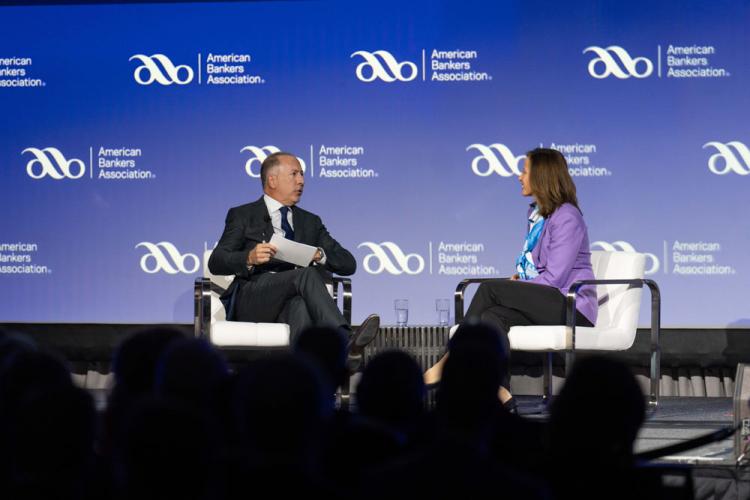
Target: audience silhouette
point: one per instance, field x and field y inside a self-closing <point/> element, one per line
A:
<point x="179" y="423"/>
<point x="595" y="420"/>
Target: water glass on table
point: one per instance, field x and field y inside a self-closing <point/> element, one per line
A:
<point x="402" y="311"/>
<point x="443" y="308"/>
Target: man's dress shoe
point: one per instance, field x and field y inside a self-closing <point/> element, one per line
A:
<point x="360" y="339"/>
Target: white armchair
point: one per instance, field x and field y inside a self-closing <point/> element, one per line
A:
<point x="210" y="317"/>
<point x="619" y="280"/>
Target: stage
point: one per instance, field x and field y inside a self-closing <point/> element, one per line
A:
<point x="678" y="419"/>
<point x="410" y="124"/>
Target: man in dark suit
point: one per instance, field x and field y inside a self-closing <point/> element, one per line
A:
<point x="267" y="290"/>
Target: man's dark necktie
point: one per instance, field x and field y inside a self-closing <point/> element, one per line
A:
<point x="288" y="231"/>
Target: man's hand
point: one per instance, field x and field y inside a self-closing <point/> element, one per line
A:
<point x="318" y="256"/>
<point x="515" y="277"/>
<point x="262" y="253"/>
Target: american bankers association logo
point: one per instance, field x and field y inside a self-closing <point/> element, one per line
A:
<point x="624" y="246"/>
<point x="387" y="256"/>
<point x="615" y="61"/>
<point x="160" y="69"/>
<point x="164" y="256"/>
<point x="381" y="65"/>
<point x="497" y="159"/>
<point x="732" y="156"/>
<point x="50" y="162"/>
<point x="258" y="156"/>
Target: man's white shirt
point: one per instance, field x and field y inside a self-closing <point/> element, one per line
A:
<point x="274" y="210"/>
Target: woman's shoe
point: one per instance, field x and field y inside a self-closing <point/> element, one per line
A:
<point x="511" y="406"/>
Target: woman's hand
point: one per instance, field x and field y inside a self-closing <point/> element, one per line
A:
<point x="515" y="277"/>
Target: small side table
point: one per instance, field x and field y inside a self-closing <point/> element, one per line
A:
<point x="426" y="343"/>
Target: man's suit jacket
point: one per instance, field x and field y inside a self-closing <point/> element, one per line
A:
<point x="250" y="224"/>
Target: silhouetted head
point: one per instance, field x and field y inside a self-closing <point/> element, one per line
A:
<point x="52" y="442"/>
<point x="166" y="451"/>
<point x="134" y="368"/>
<point x="597" y="414"/>
<point x="10" y="342"/>
<point x="392" y="390"/>
<point x="26" y="371"/>
<point x="467" y="398"/>
<point x="134" y="363"/>
<point x="281" y="402"/>
<point x="192" y="371"/>
<point x="327" y="347"/>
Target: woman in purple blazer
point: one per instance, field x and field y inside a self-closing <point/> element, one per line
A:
<point x="555" y="254"/>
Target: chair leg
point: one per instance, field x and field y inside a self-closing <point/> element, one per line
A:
<point x="655" y="342"/>
<point x="655" y="376"/>
<point x="570" y="358"/>
<point x="547" y="397"/>
<point x="344" y="395"/>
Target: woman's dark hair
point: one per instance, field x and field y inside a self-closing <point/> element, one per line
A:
<point x="550" y="180"/>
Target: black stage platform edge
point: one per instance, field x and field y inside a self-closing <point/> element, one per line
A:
<point x="704" y="348"/>
<point x="85" y="342"/>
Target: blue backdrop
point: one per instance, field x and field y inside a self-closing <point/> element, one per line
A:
<point x="129" y="130"/>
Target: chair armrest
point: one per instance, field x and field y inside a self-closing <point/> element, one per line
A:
<point x="458" y="295"/>
<point x="202" y="302"/>
<point x="346" y="285"/>
<point x="571" y="313"/>
<point x="202" y="307"/>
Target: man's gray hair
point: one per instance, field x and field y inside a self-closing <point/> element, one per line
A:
<point x="272" y="161"/>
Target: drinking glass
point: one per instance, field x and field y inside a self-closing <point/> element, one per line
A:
<point x="402" y="311"/>
<point x="443" y="308"/>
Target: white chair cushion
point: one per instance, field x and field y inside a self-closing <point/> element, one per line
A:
<point x="242" y="334"/>
<point x="555" y="338"/>
<point x="539" y="338"/>
<point x="558" y="338"/>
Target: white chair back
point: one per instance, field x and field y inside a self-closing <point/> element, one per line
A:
<point x="619" y="305"/>
<point x="222" y="281"/>
<point x="217" y="308"/>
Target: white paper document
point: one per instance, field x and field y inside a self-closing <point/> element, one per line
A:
<point x="290" y="251"/>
